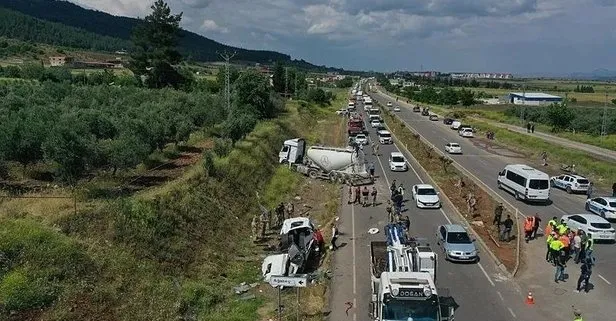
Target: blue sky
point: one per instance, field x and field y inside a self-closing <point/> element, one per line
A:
<point x="517" y="36"/>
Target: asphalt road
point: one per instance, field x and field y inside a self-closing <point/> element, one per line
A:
<point x="486" y="165"/>
<point x="479" y="289"/>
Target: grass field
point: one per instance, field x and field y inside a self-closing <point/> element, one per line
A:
<point x="596" y="98"/>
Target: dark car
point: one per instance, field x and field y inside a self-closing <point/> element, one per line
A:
<point x="416" y="109"/>
<point x="448" y="121"/>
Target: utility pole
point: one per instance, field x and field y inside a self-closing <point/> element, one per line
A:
<point x="604" y="124"/>
<point x="286" y="81"/>
<point x="227" y="56"/>
<point x="523" y="103"/>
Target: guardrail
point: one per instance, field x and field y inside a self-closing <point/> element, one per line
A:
<point x="475" y="179"/>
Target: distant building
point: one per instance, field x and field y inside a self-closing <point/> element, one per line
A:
<point x="533" y="99"/>
<point x="59" y="61"/>
<point x="482" y="75"/>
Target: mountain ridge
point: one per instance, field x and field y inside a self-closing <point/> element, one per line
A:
<point x="192" y="45"/>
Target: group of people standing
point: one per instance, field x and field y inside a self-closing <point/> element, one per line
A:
<point x="563" y="245"/>
<point x="363" y="196"/>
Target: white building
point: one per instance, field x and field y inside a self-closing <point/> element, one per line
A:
<point x="533" y="99"/>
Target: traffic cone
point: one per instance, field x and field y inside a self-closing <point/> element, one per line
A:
<point x="529" y="298"/>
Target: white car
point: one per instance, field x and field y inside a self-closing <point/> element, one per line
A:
<point x="453" y="148"/>
<point x="455" y="125"/>
<point x="361" y="139"/>
<point x="604" y="206"/>
<point x="466" y="132"/>
<point x="598" y="227"/>
<point x="384" y="136"/>
<point x="397" y="162"/>
<point x="570" y="183"/>
<point x="375" y="123"/>
<point x="426" y="196"/>
<point x="389" y="104"/>
<point x="397" y="108"/>
<point x="342" y="112"/>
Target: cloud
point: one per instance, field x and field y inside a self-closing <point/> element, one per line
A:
<point x="211" y="25"/>
<point x="403" y="34"/>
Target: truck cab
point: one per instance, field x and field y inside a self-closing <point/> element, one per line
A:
<point x="404" y="280"/>
<point x="292" y="151"/>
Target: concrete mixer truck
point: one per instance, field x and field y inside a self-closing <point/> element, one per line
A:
<point x="343" y="165"/>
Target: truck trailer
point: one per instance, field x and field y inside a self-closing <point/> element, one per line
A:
<point x="343" y="165"/>
<point x="404" y="280"/>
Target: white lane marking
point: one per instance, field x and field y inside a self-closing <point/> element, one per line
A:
<point x="511" y="311"/>
<point x="604" y="279"/>
<point x="355" y="309"/>
<point x="500" y="296"/>
<point x="353" y="246"/>
<point x="485" y="273"/>
<point x="560" y="209"/>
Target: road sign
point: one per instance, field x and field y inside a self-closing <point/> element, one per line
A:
<point x="298" y="281"/>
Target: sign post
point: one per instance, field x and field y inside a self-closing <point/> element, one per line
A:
<point x="295" y="281"/>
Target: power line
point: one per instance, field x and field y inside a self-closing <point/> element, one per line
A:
<point x="226" y="57"/>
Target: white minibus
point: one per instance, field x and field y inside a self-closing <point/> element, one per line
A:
<point x="525" y="183"/>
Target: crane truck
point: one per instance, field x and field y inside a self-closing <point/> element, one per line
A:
<point x="343" y="165"/>
<point x="404" y="280"/>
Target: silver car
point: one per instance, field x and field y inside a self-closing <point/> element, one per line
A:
<point x="456" y="243"/>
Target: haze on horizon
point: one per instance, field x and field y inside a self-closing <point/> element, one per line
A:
<point x="516" y="36"/>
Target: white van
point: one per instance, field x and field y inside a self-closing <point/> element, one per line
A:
<point x="525" y="183"/>
<point x="456" y="125"/>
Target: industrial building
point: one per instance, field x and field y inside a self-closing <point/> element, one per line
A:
<point x="533" y="99"/>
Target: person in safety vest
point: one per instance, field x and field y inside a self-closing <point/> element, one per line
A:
<point x="555" y="247"/>
<point x="588" y="249"/>
<point x="562" y="227"/>
<point x="577" y="315"/>
<point x="553" y="221"/>
<point x="529" y="224"/>
<point x="548" y="253"/>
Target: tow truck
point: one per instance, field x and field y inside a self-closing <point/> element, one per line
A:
<point x="404" y="280"/>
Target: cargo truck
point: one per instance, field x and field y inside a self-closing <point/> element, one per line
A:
<point x="342" y="165"/>
<point x="404" y="280"/>
<point x="355" y="125"/>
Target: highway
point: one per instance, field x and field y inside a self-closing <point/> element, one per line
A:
<point x="479" y="289"/>
<point x="485" y="165"/>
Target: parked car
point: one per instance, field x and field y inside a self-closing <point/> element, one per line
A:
<point x="447" y="121"/>
<point x="433" y="117"/>
<point x="361" y="139"/>
<point x="397" y="162"/>
<point x="456" y="243"/>
<point x="389" y="104"/>
<point x="466" y="132"/>
<point x="603" y="206"/>
<point x="453" y="148"/>
<point x="426" y="196"/>
<point x="416" y="109"/>
<point x="397" y="108"/>
<point x="597" y="226"/>
<point x="570" y="183"/>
